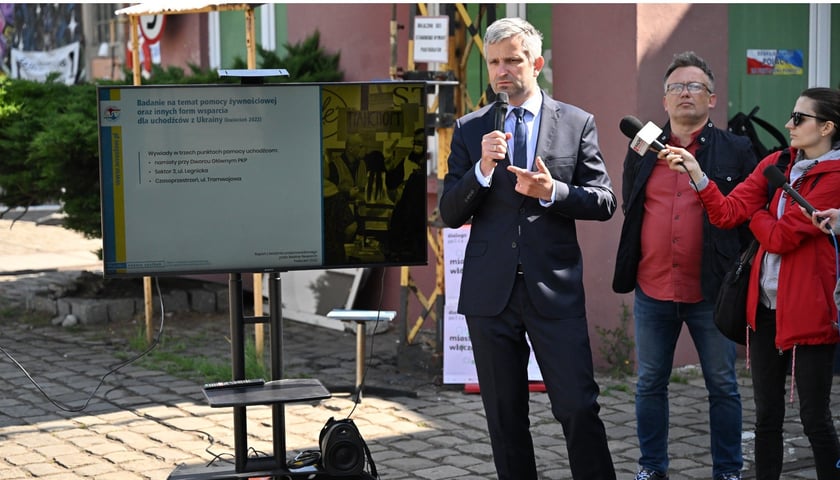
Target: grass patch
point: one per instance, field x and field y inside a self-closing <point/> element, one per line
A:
<point x="187" y="349"/>
<point x="683" y="375"/>
<point x="176" y="356"/>
<point x="9" y="312"/>
<point x="611" y="390"/>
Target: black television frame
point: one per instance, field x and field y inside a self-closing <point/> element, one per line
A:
<point x="199" y="179"/>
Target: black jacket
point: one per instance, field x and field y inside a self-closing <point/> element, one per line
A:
<point x="726" y="159"/>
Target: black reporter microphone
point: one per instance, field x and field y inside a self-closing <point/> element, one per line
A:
<point x="777" y="180"/>
<point x="643" y="138"/>
<point x="501" y="110"/>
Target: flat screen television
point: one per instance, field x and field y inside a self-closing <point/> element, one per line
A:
<point x="261" y="178"/>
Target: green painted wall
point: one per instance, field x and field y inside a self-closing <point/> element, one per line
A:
<point x="539" y="15"/>
<point x="281" y="19"/>
<point x="232" y="33"/>
<point x="767" y="26"/>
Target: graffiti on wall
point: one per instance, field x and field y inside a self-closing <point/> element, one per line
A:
<point x="41" y="39"/>
<point x="7" y="19"/>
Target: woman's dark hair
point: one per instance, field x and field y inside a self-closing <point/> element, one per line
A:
<point x="827" y="106"/>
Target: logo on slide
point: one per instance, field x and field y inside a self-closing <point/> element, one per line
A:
<point x="112" y="113"/>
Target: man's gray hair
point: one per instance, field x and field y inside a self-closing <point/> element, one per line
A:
<point x="510" y="27"/>
<point x="690" y="59"/>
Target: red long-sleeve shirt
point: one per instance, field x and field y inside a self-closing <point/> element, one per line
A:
<point x="672" y="235"/>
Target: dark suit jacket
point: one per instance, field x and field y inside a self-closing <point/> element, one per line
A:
<point x="509" y="228"/>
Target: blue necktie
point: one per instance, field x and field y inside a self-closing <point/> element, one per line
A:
<point x="520" y="139"/>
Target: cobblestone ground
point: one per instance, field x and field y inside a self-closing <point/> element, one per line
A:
<point x="85" y="421"/>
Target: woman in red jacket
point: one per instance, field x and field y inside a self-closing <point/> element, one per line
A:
<point x="790" y="310"/>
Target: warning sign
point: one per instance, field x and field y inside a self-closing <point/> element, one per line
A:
<point x="431" y="39"/>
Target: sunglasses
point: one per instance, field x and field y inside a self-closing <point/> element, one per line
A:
<point x="798" y="117"/>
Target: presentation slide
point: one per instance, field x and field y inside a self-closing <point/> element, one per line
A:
<point x="235" y="178"/>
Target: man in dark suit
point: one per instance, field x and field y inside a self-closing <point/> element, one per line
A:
<point x="522" y="267"/>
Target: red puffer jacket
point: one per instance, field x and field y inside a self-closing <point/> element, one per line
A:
<point x="805" y="309"/>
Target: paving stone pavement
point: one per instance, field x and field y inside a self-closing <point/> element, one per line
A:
<point x="143" y="424"/>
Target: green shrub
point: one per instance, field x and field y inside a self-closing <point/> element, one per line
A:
<point x="306" y="61"/>
<point x="48" y="136"/>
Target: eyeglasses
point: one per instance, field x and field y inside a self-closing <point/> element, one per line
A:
<point x="797" y="118"/>
<point x="693" y="88"/>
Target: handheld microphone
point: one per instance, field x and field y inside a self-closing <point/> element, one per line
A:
<point x="501" y="110"/>
<point x="777" y="180"/>
<point x="643" y="138"/>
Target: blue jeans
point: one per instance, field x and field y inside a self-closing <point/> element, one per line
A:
<point x="658" y="325"/>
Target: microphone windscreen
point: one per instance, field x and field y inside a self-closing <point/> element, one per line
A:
<point x="630" y="126"/>
<point x="500" y="110"/>
<point x="775" y="176"/>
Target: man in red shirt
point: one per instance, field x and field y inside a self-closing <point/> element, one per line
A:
<point x="674" y="260"/>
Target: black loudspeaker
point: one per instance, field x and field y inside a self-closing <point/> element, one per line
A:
<point x="342" y="448"/>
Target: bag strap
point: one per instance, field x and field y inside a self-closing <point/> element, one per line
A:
<point x="370" y="460"/>
<point x="371" y="463"/>
<point x="747" y="257"/>
<point x="769" y="128"/>
<point x="781" y="163"/>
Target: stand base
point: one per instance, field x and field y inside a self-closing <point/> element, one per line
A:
<point x="228" y="472"/>
<point x="533" y="386"/>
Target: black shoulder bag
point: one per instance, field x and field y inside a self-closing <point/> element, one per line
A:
<point x="731" y="303"/>
<point x="730" y="314"/>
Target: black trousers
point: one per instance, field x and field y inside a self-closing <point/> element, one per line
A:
<point x="813" y="374"/>
<point x="561" y="346"/>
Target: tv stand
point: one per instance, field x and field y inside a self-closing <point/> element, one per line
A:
<point x="275" y="392"/>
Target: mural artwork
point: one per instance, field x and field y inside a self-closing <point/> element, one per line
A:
<point x="41" y="39"/>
